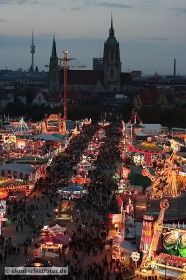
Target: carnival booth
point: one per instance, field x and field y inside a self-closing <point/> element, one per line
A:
<point x="101" y="133"/>
<point x="104" y="123"/>
<point x="115" y="224"/>
<point x="65" y="211"/>
<point x="84" y="166"/>
<point x="9" y="186"/>
<point x="93" y="148"/>
<point x="52" y="239"/>
<point x="72" y="192"/>
<point x="87" y="122"/>
<point x="57" y="229"/>
<point x="146" y="151"/>
<point x="66" y="206"/>
<point x="80" y="180"/>
<point x="91" y="157"/>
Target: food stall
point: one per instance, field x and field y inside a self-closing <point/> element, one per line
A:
<point x="73" y="191"/>
<point x="65" y="211"/>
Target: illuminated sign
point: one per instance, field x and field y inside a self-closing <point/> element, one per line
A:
<point x="2" y="206"/>
<point x="54" y="117"/>
<point x="9" y="138"/>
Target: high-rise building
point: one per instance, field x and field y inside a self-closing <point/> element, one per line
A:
<point x="97" y="63"/>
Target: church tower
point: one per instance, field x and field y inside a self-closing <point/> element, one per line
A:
<point x="53" y="69"/>
<point x="111" y="63"/>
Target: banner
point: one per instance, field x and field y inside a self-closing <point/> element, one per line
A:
<point x="2" y="206"/>
<point x="116" y="218"/>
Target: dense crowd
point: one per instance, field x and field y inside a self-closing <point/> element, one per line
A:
<point x="89" y="238"/>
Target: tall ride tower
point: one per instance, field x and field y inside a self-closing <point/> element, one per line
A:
<point x="32" y="51"/>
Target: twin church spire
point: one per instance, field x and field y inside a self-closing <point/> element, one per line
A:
<point x="54" y="52"/>
<point x="111" y="30"/>
<point x="111" y="64"/>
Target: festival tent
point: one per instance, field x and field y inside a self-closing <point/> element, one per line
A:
<point x="16" y="167"/>
<point x="42" y="239"/>
<point x="53" y="239"/>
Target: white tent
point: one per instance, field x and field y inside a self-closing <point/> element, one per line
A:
<point x="57" y="229"/>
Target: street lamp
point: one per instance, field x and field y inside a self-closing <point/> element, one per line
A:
<point x="135" y="257"/>
<point x="131" y="132"/>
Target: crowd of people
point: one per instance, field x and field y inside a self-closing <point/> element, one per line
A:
<point x="88" y="257"/>
<point x="90" y="237"/>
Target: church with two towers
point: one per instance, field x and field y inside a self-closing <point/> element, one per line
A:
<point x="110" y="79"/>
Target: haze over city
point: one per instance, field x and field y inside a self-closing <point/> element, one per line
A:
<point x="151" y="33"/>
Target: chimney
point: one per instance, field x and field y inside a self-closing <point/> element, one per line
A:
<point x="175" y="67"/>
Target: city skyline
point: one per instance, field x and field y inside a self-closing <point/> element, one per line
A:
<point x="151" y="34"/>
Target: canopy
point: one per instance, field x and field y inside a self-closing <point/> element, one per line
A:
<point x="49" y="239"/>
<point x="73" y="188"/>
<point x="34" y="262"/>
<point x="57" y="228"/>
<point x="46" y="137"/>
<point x="149" y="146"/>
<point x="80" y="180"/>
<point x="59" y="136"/>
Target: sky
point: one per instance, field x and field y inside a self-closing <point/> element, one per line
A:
<point x="151" y="33"/>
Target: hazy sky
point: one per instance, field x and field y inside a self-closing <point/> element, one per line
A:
<point x="151" y="32"/>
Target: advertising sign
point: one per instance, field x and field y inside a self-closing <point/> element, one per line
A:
<point x="2" y="206"/>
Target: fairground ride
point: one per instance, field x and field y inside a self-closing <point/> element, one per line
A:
<point x="165" y="183"/>
<point x="147" y="266"/>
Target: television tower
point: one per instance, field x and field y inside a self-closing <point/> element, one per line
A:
<point x="32" y="51"/>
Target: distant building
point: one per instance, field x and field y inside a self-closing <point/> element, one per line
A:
<point x="106" y="76"/>
<point x="46" y="99"/>
<point x="97" y="63"/>
<point x="22" y="79"/>
<point x="151" y="96"/>
<point x="136" y="75"/>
